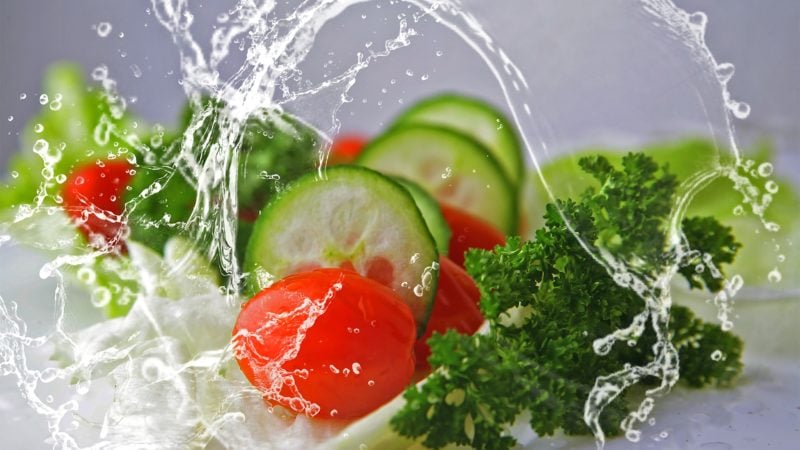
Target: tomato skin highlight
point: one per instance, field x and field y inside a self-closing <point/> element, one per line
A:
<point x="455" y="307"/>
<point x="469" y="232"/>
<point x="345" y="148"/>
<point x="98" y="188"/>
<point x="357" y="353"/>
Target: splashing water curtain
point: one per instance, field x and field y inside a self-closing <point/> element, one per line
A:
<point x="275" y="43"/>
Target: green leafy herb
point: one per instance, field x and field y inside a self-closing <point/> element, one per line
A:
<point x="547" y="300"/>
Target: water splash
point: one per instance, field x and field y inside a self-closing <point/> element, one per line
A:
<point x="147" y="355"/>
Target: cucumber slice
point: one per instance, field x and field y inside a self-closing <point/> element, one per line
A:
<point x="431" y="212"/>
<point x="354" y="218"/>
<point x="476" y="119"/>
<point x="453" y="167"/>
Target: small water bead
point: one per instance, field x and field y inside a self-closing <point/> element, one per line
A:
<point x="87" y="275"/>
<point x="738" y="210"/>
<point x="371" y="383"/>
<point x="633" y="435"/>
<point x="43" y="99"/>
<point x="55" y="104"/>
<point x="23" y="96"/>
<point x="717" y="355"/>
<point x="765" y="169"/>
<point x="781" y="258"/>
<point x="103" y="29"/>
<point x="137" y="71"/>
<point x="725" y="72"/>
<point x="10" y="118"/>
<point x="409" y="72"/>
<point x="121" y="35"/>
<point x="771" y="186"/>
<point x="101" y="297"/>
<point x="152" y="369"/>
<point x="14" y="174"/>
<point x="772" y="227"/>
<point x="774" y="276"/>
<point x="740" y="109"/>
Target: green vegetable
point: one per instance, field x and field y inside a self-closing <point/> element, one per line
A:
<point x="79" y="126"/>
<point x="547" y="300"/>
<point x="478" y="120"/>
<point x="69" y="124"/>
<point x="275" y="150"/>
<point x="718" y="199"/>
<point x="354" y="217"/>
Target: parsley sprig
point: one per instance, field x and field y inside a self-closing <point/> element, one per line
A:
<point x="548" y="299"/>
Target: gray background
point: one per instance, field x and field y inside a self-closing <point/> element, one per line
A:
<point x="591" y="72"/>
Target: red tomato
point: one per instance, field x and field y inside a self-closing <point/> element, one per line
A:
<point x="327" y="343"/>
<point x="455" y="307"/>
<point x="469" y="232"/>
<point x="93" y="197"/>
<point x="345" y="148"/>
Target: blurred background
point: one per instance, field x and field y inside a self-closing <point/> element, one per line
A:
<point x="593" y="67"/>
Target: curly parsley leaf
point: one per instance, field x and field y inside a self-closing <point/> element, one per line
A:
<point x="546" y="300"/>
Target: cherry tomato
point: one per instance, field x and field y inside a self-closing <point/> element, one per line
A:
<point x="93" y="197"/>
<point x="469" y="232"/>
<point x="345" y="148"/>
<point x="455" y="307"/>
<point x="327" y="343"/>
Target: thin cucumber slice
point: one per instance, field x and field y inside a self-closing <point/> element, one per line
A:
<point x="476" y="119"/>
<point x="431" y="212"/>
<point x="353" y="218"/>
<point x="453" y="167"/>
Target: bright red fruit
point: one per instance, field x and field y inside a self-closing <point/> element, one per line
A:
<point x="326" y="343"/>
<point x="455" y="307"/>
<point x="345" y="148"/>
<point x="93" y="198"/>
<point x="469" y="232"/>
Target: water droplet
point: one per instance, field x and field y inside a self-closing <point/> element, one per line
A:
<point x="772" y="226"/>
<point x="717" y="355"/>
<point x="765" y="169"/>
<point x="55" y="105"/>
<point x="738" y="210"/>
<point x="10" y="118"/>
<point x="101" y="297"/>
<point x="633" y="435"/>
<point x="740" y="109"/>
<point x="100" y="72"/>
<point x="23" y="96"/>
<point x="409" y="72"/>
<point x="771" y="187"/>
<point x="356" y="368"/>
<point x="103" y="29"/>
<point x="38" y="128"/>
<point x="371" y="383"/>
<point x="725" y="72"/>
<point x="87" y="275"/>
<point x="774" y="276"/>
<point x="334" y="412"/>
<point x="43" y="99"/>
<point x="137" y="72"/>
